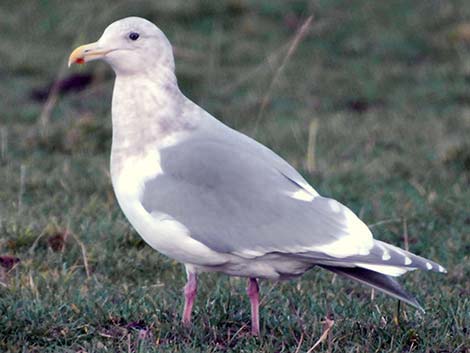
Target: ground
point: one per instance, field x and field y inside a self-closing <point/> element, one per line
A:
<point x="372" y="106"/>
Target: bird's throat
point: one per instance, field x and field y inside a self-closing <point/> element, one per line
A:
<point x="146" y="112"/>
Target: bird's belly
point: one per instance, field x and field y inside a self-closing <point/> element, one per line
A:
<point x="272" y="266"/>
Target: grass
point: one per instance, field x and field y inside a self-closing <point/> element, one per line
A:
<point x="389" y="86"/>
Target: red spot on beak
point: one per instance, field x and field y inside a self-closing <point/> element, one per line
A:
<point x="80" y="61"/>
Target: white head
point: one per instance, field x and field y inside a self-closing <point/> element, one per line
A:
<point x="132" y="45"/>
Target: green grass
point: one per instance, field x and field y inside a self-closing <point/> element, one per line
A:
<point x="389" y="84"/>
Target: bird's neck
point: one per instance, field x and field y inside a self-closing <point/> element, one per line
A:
<point x="147" y="112"/>
<point x="146" y="109"/>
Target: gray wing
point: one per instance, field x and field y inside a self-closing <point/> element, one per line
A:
<point x="234" y="198"/>
<point x="250" y="146"/>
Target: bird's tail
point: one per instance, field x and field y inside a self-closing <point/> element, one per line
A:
<point x="376" y="280"/>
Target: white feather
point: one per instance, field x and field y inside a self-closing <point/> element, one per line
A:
<point x="386" y="270"/>
<point x="302" y="195"/>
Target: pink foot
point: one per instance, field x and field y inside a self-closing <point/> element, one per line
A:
<point x="253" y="294"/>
<point x="190" y="290"/>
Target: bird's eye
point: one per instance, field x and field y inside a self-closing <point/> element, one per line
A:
<point x="133" y="36"/>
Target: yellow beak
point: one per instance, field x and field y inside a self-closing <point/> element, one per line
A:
<point x="87" y="52"/>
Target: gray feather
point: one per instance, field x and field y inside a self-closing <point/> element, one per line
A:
<point x="378" y="281"/>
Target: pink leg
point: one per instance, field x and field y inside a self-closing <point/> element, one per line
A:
<point x="190" y="290"/>
<point x="253" y="294"/>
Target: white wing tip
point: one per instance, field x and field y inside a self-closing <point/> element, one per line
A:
<point x="386" y="256"/>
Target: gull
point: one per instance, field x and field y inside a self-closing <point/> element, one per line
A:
<point x="213" y="198"/>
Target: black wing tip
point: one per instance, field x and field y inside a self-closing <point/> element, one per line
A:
<point x="414" y="303"/>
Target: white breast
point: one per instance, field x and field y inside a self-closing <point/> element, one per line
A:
<point x="130" y="177"/>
